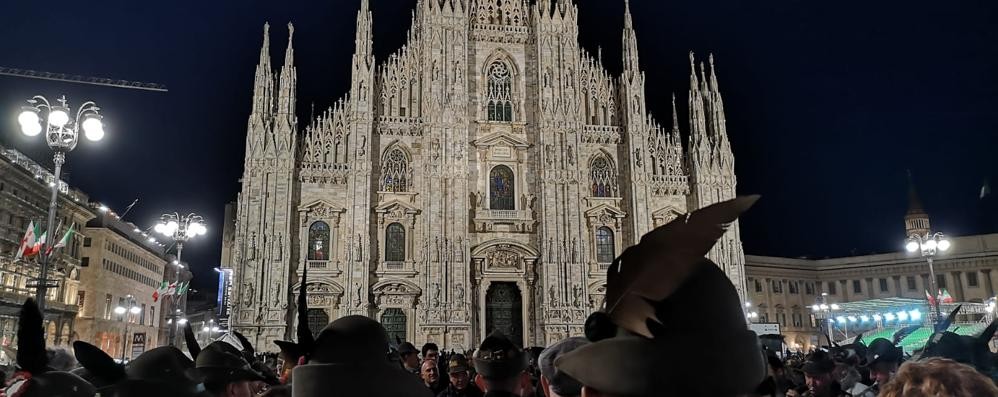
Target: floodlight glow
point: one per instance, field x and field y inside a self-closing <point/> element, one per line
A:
<point x="135" y="310"/>
<point x="852" y="319"/>
<point x="915" y="315"/>
<point x="815" y="307"/>
<point x="835" y="307"/>
<point x="944" y="245"/>
<point x="182" y="321"/>
<point x="119" y="310"/>
<point x="840" y="319"/>
<point x="930" y="245"/>
<point x="902" y="315"/>
<point x="889" y="316"/>
<point x="824" y="306"/>
<point x="864" y="318"/>
<point x="205" y="329"/>
<point x="876" y="317"/>
<point x="912" y="246"/>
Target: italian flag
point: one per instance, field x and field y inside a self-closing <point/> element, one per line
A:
<point x="27" y="241"/>
<point x="62" y="242"/>
<point x="161" y="291"/>
<point x="182" y="288"/>
<point x="946" y="297"/>
<point x="36" y="248"/>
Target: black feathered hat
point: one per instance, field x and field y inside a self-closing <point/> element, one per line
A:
<point x="34" y="377"/>
<point x="291" y="350"/>
<point x="661" y="294"/>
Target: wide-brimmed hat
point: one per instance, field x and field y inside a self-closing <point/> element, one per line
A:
<point x="560" y="382"/>
<point x="351" y="354"/>
<point x="221" y="362"/>
<point x="407" y="348"/>
<point x="883" y="350"/>
<point x="499" y="358"/>
<point x="819" y="362"/>
<point x="656" y="297"/>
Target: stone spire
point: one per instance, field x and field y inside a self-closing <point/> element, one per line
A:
<point x="699" y="141"/>
<point x="363" y="53"/>
<point x="289" y="79"/>
<point x="675" y="116"/>
<point x="916" y="220"/>
<point x="630" y="45"/>
<point x="263" y="86"/>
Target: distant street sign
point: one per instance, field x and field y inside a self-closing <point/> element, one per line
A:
<point x="138" y="344"/>
<point x="765" y="328"/>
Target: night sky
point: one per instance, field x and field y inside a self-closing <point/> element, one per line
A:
<point x="828" y="103"/>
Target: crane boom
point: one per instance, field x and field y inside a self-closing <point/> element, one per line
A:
<point x="34" y="74"/>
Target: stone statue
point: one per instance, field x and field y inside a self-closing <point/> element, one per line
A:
<point x="276" y="301"/>
<point x="356" y="299"/>
<point x="571" y="155"/>
<point x="436" y="294"/>
<point x="251" y="253"/>
<point x="480" y="200"/>
<point x="361" y="151"/>
<point x="248" y="294"/>
<point x="578" y="296"/>
<point x="459" y="293"/>
<point x="554" y="298"/>
<point x="278" y="245"/>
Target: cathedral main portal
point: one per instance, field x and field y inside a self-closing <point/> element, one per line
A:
<point x="504" y="311"/>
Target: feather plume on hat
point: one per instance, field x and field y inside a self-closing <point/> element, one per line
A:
<point x="193" y="346"/>
<point x="664" y="258"/>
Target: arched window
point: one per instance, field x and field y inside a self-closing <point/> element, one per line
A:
<point x="604" y="245"/>
<point x="499" y="97"/>
<point x="395" y="172"/>
<point x="603" y="178"/>
<point x="395" y="243"/>
<point x="318" y="241"/>
<point x="502" y="191"/>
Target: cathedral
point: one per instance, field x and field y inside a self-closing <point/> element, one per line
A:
<point x="482" y="177"/>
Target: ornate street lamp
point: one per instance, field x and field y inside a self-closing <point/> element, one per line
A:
<point x="180" y="229"/>
<point x="62" y="133"/>
<point x="126" y="311"/>
<point x="927" y="246"/>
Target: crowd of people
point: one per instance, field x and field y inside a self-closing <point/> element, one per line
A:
<point x="647" y="341"/>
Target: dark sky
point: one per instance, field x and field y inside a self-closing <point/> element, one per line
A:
<point x="828" y="103"/>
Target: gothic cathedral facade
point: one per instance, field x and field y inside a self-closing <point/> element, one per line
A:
<point x="481" y="178"/>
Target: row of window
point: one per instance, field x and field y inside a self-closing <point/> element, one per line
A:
<point x="131" y="256"/>
<point x="857" y="285"/>
<point x="109" y="309"/>
<point x="127" y="272"/>
<point x="318" y="243"/>
<point x="797" y="319"/>
<point x="397" y="177"/>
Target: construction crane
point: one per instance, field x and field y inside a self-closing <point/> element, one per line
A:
<point x="34" y="74"/>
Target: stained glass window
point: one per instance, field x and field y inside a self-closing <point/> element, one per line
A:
<point x="317" y="320"/>
<point x="604" y="245"/>
<point x="502" y="189"/>
<point x="603" y="178"/>
<point x="499" y="96"/>
<point x="395" y="172"/>
<point x="318" y="241"/>
<point x="395" y="243"/>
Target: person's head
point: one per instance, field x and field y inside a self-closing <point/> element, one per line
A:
<point x="501" y="366"/>
<point x="224" y="372"/>
<point x="556" y="383"/>
<point x="409" y="355"/>
<point x="883" y="359"/>
<point x="428" y="371"/>
<point x="938" y="377"/>
<point x="458" y="371"/>
<point x="430" y="351"/>
<point x="819" y="369"/>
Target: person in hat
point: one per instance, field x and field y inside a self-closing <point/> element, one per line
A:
<point x="657" y="294"/>
<point x="34" y="376"/>
<point x="224" y="371"/>
<point x="882" y="359"/>
<point x="501" y="367"/>
<point x="555" y="383"/>
<point x="349" y="360"/>
<point x="818" y="378"/>
<point x="459" y="373"/>
<point x="410" y="357"/>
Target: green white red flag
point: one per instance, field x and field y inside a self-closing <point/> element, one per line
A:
<point x="62" y="242"/>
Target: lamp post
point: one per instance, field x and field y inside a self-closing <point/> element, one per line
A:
<point x="750" y="314"/>
<point x="62" y="133"/>
<point x="127" y="311"/>
<point x="820" y="306"/>
<point x="210" y="328"/>
<point x="927" y="246"/>
<point x="180" y="229"/>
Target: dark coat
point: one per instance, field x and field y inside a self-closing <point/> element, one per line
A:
<point x="470" y="391"/>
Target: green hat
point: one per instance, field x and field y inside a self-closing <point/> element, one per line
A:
<point x="499" y="358"/>
<point x="457" y="363"/>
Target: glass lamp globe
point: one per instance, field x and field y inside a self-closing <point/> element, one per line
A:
<point x="912" y="246"/>
<point x="931" y="245"/>
<point x="58" y="117"/>
<point x="27" y="117"/>
<point x="93" y="129"/>
<point x="119" y="310"/>
<point x="31" y="129"/>
<point x="944" y="245"/>
<point x="135" y="310"/>
<point x="205" y="329"/>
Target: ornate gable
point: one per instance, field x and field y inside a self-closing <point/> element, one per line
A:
<point x="322" y="209"/>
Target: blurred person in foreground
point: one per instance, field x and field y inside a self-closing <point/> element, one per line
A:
<point x="938" y="377"/>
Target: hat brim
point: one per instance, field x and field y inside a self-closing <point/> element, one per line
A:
<point x="290" y="348"/>
<point x="377" y="380"/>
<point x="631" y="365"/>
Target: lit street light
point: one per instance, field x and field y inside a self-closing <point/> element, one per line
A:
<point x="62" y="133"/>
<point x="123" y="311"/>
<point x="927" y="246"/>
<point x="180" y="229"/>
<point x="821" y="306"/>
